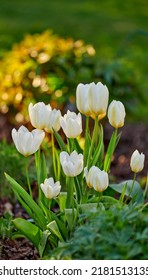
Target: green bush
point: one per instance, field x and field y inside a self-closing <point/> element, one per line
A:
<point x="117" y="233"/>
<point x="45" y="67"/>
<point x="42" y="67"/>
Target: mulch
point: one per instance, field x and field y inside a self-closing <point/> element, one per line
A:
<point x="134" y="136"/>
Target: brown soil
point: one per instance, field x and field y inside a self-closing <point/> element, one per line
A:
<point x="134" y="136"/>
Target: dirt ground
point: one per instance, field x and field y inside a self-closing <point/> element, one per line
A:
<point x="134" y="136"/>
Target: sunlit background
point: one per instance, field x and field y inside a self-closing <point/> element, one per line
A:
<point x="96" y="40"/>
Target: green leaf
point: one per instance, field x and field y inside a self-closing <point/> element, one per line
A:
<point x="87" y="146"/>
<point x="123" y="193"/>
<point x="43" y="175"/>
<point x="62" y="200"/>
<point x="43" y="242"/>
<point x="43" y="168"/>
<point x="70" y="217"/>
<point x="110" y="150"/>
<point x="31" y="231"/>
<point x="78" y="189"/>
<point x="28" y="203"/>
<point x="60" y="224"/>
<point x="58" y="165"/>
<point x="99" y="148"/>
<point x="60" y="141"/>
<point x="53" y="227"/>
<point x="136" y="194"/>
<point x="108" y="201"/>
<point x="93" y="141"/>
<point x="77" y="146"/>
<point x="88" y="207"/>
<point x="70" y="187"/>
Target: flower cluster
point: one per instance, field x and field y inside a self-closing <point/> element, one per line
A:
<point x="78" y="181"/>
<point x="92" y="101"/>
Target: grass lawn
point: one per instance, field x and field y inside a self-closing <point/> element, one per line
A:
<point x="115" y="28"/>
<point x="108" y="25"/>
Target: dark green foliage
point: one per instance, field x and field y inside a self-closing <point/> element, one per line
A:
<point x="117" y="233"/>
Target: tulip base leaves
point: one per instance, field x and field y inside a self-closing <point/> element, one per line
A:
<point x="43" y="242"/>
<point x="70" y="217"/>
<point x="62" y="200"/>
<point x="29" y="230"/>
<point x="54" y="229"/>
<point x="28" y="203"/>
<point x="136" y="194"/>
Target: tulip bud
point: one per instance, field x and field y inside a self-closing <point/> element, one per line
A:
<point x="71" y="124"/>
<point x="27" y="142"/>
<point x="39" y="114"/>
<point x="53" y="121"/>
<point x="137" y="161"/>
<point x="98" y="99"/>
<point x="50" y="189"/>
<point x="96" y="178"/>
<point x="82" y="99"/>
<point x="89" y="175"/>
<point x="72" y="164"/>
<point x="116" y="114"/>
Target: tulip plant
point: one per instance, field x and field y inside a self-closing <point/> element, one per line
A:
<point x="86" y="168"/>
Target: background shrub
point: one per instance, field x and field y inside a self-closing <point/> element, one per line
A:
<point x="45" y="67"/>
<point x="42" y="67"/>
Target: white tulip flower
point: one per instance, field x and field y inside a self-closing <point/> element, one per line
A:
<point x="39" y="114"/>
<point x="53" y="121"/>
<point x="82" y="99"/>
<point x="72" y="164"/>
<point x="89" y="175"/>
<point x="96" y="178"/>
<point x="71" y="124"/>
<point x="98" y="99"/>
<point x="137" y="161"/>
<point x="26" y="142"/>
<point x="116" y="114"/>
<point x="50" y="189"/>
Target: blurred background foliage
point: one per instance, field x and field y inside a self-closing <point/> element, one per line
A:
<point x="99" y="40"/>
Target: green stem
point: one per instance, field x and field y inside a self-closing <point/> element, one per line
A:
<point x="87" y="125"/>
<point x="110" y="150"/>
<point x="86" y="140"/>
<point x="53" y="156"/>
<point x="38" y="169"/>
<point x="130" y="192"/>
<point x="28" y="180"/>
<point x="78" y="190"/>
<point x="58" y="166"/>
<point x="70" y="145"/>
<point x="94" y="136"/>
<point x="70" y="187"/>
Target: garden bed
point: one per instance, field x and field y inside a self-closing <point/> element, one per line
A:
<point x="134" y="136"/>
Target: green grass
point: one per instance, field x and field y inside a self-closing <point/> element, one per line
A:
<point x="105" y="24"/>
<point x="116" y="28"/>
